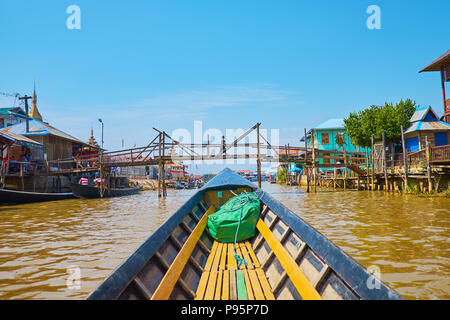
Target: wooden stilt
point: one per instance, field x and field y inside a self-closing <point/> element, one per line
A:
<point x="405" y="161"/>
<point x="159" y="166"/>
<point x="164" y="190"/>
<point x="384" y="163"/>
<point x="367" y="169"/>
<point x="372" y="160"/>
<point x="313" y="161"/>
<point x="428" y="153"/>
<point x="334" y="179"/>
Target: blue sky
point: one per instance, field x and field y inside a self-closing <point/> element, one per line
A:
<point x="287" y="64"/>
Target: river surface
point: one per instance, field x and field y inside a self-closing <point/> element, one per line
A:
<point x="406" y="237"/>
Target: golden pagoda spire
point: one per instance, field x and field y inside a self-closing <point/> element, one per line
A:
<point x="92" y="141"/>
<point x="34" y="112"/>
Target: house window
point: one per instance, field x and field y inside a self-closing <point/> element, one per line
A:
<point x="325" y="138"/>
<point x="440" y="139"/>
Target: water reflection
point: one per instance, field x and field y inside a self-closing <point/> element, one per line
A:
<point x="405" y="236"/>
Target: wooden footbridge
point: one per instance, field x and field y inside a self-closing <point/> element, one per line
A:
<point x="163" y="150"/>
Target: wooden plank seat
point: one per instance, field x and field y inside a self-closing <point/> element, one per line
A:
<point x="223" y="280"/>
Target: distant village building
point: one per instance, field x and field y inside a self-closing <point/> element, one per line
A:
<point x="442" y="65"/>
<point x="57" y="144"/>
<point x="54" y="143"/>
<point x="11" y="116"/>
<point x="325" y="137"/>
<point x="425" y="124"/>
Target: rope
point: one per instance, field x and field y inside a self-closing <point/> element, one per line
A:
<point x="240" y="205"/>
<point x="239" y="260"/>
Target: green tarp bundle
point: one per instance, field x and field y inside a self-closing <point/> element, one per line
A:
<point x="239" y="214"/>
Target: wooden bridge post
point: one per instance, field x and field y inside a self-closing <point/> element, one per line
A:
<point x="164" y="191"/>
<point x="372" y="160"/>
<point x="334" y="178"/>
<point x="386" y="184"/>
<point x="159" y="167"/>
<point x="405" y="162"/>
<point x="345" y="168"/>
<point x="21" y="177"/>
<point x="258" y="159"/>
<point x="308" y="178"/>
<point x="3" y="168"/>
<point x="313" y="160"/>
<point x="428" y="153"/>
<point x="367" y="168"/>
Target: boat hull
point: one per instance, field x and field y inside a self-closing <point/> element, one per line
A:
<point x="81" y="191"/>
<point x="287" y="258"/>
<point x="19" y="197"/>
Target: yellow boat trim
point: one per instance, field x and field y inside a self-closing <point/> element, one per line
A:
<point x="301" y="283"/>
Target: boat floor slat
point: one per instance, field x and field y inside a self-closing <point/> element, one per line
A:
<point x="222" y="280"/>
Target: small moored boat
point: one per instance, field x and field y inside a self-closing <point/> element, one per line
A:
<point x="19" y="197"/>
<point x="286" y="259"/>
<point x="82" y="191"/>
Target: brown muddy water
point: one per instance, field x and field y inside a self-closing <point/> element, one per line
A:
<point x="406" y="237"/>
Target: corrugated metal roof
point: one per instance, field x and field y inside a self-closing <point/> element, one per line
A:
<point x="421" y="113"/>
<point x="438" y="63"/>
<point x="19" y="139"/>
<point x="11" y="110"/>
<point x="428" y="125"/>
<point x="331" y="124"/>
<point x="38" y="128"/>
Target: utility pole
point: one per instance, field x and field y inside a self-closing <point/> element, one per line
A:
<point x="26" y="98"/>
<point x="101" y="121"/>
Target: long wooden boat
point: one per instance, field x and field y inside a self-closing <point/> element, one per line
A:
<point x="81" y="191"/>
<point x="287" y="258"/>
<point x="19" y="197"/>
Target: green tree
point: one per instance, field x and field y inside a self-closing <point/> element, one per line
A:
<point x="282" y="175"/>
<point x="375" y="120"/>
<point x="340" y="139"/>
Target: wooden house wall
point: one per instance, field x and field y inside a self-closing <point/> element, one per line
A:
<point x="55" y="148"/>
<point x="422" y="137"/>
<point x="319" y="143"/>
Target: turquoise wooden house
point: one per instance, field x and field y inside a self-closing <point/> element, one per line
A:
<point x="325" y="137"/>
